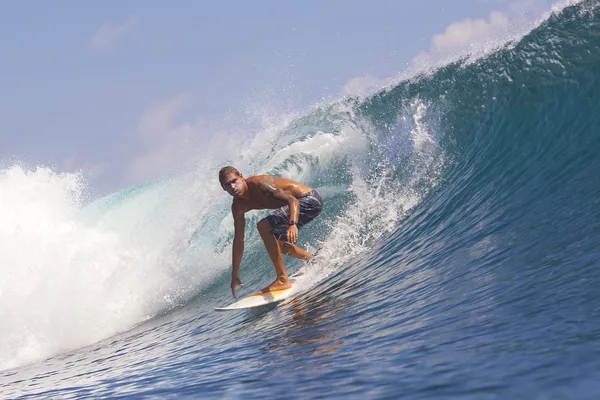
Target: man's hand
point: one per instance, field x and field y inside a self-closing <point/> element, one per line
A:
<point x="292" y="234"/>
<point x="235" y="281"/>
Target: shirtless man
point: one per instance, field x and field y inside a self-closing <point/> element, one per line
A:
<point x="295" y="205"/>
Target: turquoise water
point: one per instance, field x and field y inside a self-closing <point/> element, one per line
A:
<point x="462" y="246"/>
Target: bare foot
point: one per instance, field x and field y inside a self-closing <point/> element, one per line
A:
<point x="279" y="284"/>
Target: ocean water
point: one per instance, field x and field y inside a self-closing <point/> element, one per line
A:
<point x="461" y="258"/>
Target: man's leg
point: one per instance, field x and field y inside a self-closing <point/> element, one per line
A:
<point x="282" y="282"/>
<point x="294" y="251"/>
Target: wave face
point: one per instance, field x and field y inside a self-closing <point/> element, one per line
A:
<point x="461" y="233"/>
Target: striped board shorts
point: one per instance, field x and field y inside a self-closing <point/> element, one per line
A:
<point x="311" y="205"/>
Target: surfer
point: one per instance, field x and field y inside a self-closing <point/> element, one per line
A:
<point x="294" y="206"/>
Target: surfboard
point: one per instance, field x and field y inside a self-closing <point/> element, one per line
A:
<point x="261" y="299"/>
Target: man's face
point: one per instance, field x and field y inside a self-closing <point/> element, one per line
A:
<point x="233" y="184"/>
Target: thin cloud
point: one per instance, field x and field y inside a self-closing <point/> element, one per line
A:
<point x="465" y="37"/>
<point x="91" y="170"/>
<point x="470" y="37"/>
<point x="164" y="140"/>
<point x="363" y="85"/>
<point x="108" y="34"/>
<point x="477" y="36"/>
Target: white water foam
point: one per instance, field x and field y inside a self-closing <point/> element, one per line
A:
<point x="72" y="276"/>
<point x="380" y="204"/>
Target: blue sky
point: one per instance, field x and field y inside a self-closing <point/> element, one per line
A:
<point x="118" y="89"/>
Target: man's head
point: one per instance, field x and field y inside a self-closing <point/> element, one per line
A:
<point x="232" y="181"/>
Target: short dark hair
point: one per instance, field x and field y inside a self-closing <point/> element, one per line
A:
<point x="227" y="170"/>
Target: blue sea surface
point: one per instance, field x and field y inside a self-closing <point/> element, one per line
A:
<point x="461" y="253"/>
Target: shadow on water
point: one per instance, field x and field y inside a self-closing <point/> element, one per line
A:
<point x="254" y="314"/>
<point x="302" y="327"/>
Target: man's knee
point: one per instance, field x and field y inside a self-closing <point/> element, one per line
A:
<point x="263" y="226"/>
<point x="284" y="246"/>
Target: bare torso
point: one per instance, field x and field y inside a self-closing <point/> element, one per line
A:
<point x="256" y="198"/>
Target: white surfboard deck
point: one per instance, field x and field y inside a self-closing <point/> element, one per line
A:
<point x="262" y="299"/>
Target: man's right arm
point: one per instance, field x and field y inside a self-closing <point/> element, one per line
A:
<point x="239" y="224"/>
